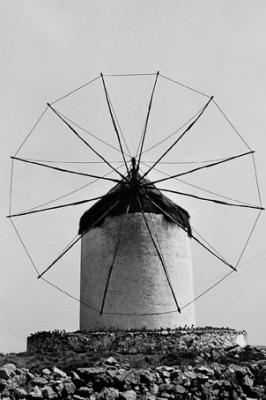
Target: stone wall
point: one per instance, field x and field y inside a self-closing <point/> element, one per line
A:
<point x="133" y="342"/>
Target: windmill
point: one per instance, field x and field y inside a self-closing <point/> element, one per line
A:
<point x="136" y="266"/>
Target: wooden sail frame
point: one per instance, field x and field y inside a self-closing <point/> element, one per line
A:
<point x="136" y="182"/>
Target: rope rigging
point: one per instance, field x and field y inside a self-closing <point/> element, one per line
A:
<point x="31" y="131"/>
<point x="75" y="90"/>
<point x="185" y="86"/>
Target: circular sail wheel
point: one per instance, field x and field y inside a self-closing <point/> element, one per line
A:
<point x="150" y="136"/>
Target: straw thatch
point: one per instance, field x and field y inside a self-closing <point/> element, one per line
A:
<point x="124" y="193"/>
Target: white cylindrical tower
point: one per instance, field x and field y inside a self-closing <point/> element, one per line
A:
<point x="135" y="260"/>
<point x="139" y="294"/>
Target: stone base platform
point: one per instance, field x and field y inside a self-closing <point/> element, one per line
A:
<point x="135" y="342"/>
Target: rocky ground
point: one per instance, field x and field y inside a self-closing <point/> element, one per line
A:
<point x="233" y="373"/>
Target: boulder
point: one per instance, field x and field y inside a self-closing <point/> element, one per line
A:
<point x="84" y="391"/>
<point x="69" y="388"/>
<point x="46" y="371"/>
<point x="4" y="373"/>
<point x="58" y="386"/>
<point x="48" y="392"/>
<point x="35" y="393"/>
<point x="146" y="376"/>
<point x="109" y="394"/>
<point x="128" y="395"/>
<point x="59" y="372"/>
<point x="167" y="387"/>
<point x="90" y="372"/>
<point x="132" y="378"/>
<point x="110" y="361"/>
<point x="180" y="389"/>
<point x="20" y="393"/>
<point x="39" y="381"/>
<point x="7" y="371"/>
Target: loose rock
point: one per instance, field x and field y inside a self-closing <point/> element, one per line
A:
<point x="128" y="395"/>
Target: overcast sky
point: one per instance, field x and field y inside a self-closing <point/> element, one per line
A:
<point x="51" y="47"/>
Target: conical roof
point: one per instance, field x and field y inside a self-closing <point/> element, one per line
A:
<point x="126" y="194"/>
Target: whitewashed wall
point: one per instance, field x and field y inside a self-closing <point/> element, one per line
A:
<point x="138" y="283"/>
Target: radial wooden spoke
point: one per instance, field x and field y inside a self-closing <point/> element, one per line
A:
<point x="210" y="200"/>
<point x="122" y="223"/>
<point x="119" y="128"/>
<point x="47" y="203"/>
<point x="201" y="188"/>
<point x="165" y="213"/>
<point x="69" y="171"/>
<point x="159" y="255"/>
<point x="90" y="133"/>
<point x="78" y="239"/>
<point x="147" y="120"/>
<point x="172" y="134"/>
<point x="84" y="141"/>
<point x="199" y="168"/>
<point x="60" y="256"/>
<point x="179" y="138"/>
<point x="76" y="203"/>
<point x="114" y="123"/>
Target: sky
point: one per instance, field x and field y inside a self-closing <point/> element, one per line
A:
<point x="49" y="48"/>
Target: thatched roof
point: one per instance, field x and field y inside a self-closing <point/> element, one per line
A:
<point x="123" y="193"/>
